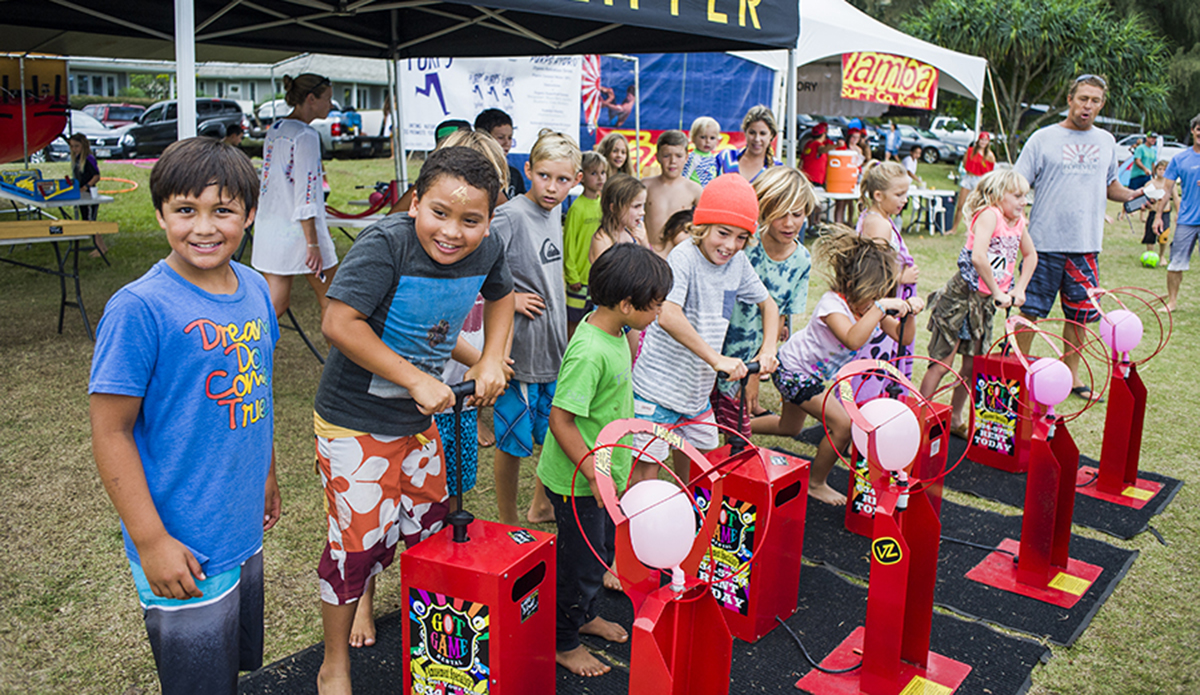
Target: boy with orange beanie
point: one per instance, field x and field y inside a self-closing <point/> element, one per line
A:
<point x="681" y="351"/>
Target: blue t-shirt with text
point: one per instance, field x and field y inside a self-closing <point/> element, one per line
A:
<point x="202" y="365"/>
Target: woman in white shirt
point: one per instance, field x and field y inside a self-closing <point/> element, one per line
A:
<point x="290" y="234"/>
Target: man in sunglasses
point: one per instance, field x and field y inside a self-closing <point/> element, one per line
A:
<point x="1072" y="168"/>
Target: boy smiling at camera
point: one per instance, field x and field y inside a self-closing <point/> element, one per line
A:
<point x="397" y="305"/>
<point x="182" y="422"/>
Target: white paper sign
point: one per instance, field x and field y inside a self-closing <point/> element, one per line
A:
<point x="538" y="92"/>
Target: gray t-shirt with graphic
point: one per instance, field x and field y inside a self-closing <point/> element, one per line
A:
<point x="666" y="372"/>
<point x="532" y="239"/>
<point x="416" y="306"/>
<point x="1069" y="171"/>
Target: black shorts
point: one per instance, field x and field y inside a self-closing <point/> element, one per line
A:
<point x="1149" y="237"/>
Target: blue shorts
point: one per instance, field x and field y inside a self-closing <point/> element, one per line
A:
<point x="579" y="304"/>
<point x="521" y="417"/>
<point x="1070" y="274"/>
<point x="700" y="428"/>
<point x="200" y="644"/>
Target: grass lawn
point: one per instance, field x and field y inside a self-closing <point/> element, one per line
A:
<point x="71" y="622"/>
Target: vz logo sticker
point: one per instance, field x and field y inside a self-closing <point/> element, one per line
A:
<point x="886" y="551"/>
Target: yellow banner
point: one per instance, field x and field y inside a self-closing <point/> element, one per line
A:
<point x="889" y="79"/>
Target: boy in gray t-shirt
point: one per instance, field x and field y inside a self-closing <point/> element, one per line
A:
<point x="530" y="229"/>
<point x="681" y="351"/>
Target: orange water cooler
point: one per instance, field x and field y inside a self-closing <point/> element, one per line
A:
<point x="841" y="174"/>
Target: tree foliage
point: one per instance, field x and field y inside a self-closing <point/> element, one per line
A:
<point x="1035" y="48"/>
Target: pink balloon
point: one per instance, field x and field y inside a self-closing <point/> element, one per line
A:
<point x="897" y="433"/>
<point x="1121" y="330"/>
<point x="1048" y="381"/>
<point x="661" y="532"/>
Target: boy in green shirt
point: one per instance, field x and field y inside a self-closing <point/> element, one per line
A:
<point x="583" y="219"/>
<point x="628" y="284"/>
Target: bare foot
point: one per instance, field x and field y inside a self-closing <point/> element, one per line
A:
<point x="1168" y="308"/>
<point x="484" y="434"/>
<point x="611" y="582"/>
<point x="540" y="514"/>
<point x="362" y="632"/>
<point x="826" y="494"/>
<point x="333" y="684"/>
<point x="606" y="630"/>
<point x="580" y="662"/>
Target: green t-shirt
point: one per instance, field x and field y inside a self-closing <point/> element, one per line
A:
<point x="583" y="219"/>
<point x="595" y="384"/>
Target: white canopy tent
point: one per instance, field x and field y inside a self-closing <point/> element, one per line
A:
<point x="829" y="28"/>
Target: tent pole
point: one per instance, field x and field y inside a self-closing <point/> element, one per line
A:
<point x="978" y="116"/>
<point x="999" y="119"/>
<point x="789" y="87"/>
<point x="637" y="113"/>
<point x="399" y="154"/>
<point x="25" y="113"/>
<point x="185" y="67"/>
<point x="683" y="90"/>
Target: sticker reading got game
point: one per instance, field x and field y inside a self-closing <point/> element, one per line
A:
<point x="732" y="544"/>
<point x="996" y="413"/>
<point x="449" y="638"/>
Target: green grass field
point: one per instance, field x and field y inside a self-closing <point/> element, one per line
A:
<point x="70" y="617"/>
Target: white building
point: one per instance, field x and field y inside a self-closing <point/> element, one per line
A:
<point x="361" y="82"/>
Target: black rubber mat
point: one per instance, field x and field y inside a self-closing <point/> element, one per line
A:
<point x="1009" y="488"/>
<point x="827" y="541"/>
<point x="830" y="608"/>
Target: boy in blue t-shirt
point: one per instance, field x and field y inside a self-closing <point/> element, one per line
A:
<point x="396" y="308"/>
<point x="183" y="422"/>
<point x="629" y="284"/>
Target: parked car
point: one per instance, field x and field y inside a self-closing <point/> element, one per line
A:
<point x="950" y="129"/>
<point x="1169" y="148"/>
<point x="115" y="115"/>
<point x="337" y="138"/>
<point x="104" y="141"/>
<point x="933" y="149"/>
<point x="158" y="127"/>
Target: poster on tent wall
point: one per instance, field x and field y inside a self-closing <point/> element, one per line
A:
<point x="644" y="148"/>
<point x="538" y="92"/>
<point x="889" y="79"/>
<point x="676" y="89"/>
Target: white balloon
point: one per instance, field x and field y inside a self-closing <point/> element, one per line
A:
<point x="897" y="434"/>
<point x="662" y="525"/>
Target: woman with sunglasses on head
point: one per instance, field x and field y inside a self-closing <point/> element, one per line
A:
<point x="290" y="234"/>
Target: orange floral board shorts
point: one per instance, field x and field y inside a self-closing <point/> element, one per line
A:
<point x="378" y="489"/>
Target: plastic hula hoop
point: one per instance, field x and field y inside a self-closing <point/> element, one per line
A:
<point x="133" y="185"/>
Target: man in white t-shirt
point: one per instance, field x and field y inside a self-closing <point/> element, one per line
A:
<point x="1072" y="167"/>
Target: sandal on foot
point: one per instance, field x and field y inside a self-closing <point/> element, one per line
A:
<point x="960" y="431"/>
<point x="1086" y="394"/>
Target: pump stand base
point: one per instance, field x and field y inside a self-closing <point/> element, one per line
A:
<point x="1136" y="496"/>
<point x="943" y="675"/>
<point x="1063" y="588"/>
